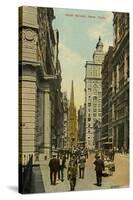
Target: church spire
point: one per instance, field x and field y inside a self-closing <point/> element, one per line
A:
<point x="72" y="96"/>
<point x="72" y="121"/>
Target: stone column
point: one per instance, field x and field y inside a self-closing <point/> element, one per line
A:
<point x="125" y="135"/>
<point x="117" y="77"/>
<point x="47" y="123"/>
<point x="117" y="129"/>
<point x="125" y="67"/>
<point x="112" y="82"/>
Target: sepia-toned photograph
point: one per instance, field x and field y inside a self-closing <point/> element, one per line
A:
<point x="73" y="100"/>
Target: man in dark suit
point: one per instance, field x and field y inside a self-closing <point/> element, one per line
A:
<point x="62" y="166"/>
<point x="54" y="166"/>
<point x="82" y="161"/>
<point x="99" y="167"/>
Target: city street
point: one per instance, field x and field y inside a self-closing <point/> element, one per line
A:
<point x="119" y="178"/>
<point x="73" y="106"/>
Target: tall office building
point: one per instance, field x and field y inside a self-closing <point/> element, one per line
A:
<point x="81" y="125"/>
<point x="120" y="81"/>
<point x="106" y="136"/>
<point x="65" y="130"/>
<point x="93" y="93"/>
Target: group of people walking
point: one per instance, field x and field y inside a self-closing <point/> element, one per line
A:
<point x="76" y="167"/>
<point x="58" y="163"/>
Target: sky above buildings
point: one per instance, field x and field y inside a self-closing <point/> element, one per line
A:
<point x="79" y="31"/>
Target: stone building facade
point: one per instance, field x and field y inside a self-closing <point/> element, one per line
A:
<point x="106" y="136"/>
<point x="97" y="135"/>
<point x="39" y="84"/>
<point x="120" y="81"/>
<point x="93" y="93"/>
<point x="65" y="131"/>
<point x="81" y="125"/>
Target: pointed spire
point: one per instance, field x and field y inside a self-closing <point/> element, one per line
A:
<point x="72" y="95"/>
<point x="99" y="38"/>
<point x="99" y="43"/>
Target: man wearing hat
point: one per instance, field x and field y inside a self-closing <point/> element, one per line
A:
<point x="99" y="167"/>
<point x="54" y="166"/>
<point x="82" y="161"/>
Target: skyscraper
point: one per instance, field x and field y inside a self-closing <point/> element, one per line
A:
<point x="93" y="93"/>
<point x="120" y="82"/>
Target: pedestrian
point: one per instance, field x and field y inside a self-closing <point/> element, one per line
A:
<point x="96" y="155"/>
<point x="62" y="166"/>
<point x="58" y="171"/>
<point x="74" y="159"/>
<point x="54" y="166"/>
<point x="72" y="174"/>
<point x="99" y="167"/>
<point x="86" y="152"/>
<point x="82" y="161"/>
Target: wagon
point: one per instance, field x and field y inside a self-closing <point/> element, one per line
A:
<point x="109" y="168"/>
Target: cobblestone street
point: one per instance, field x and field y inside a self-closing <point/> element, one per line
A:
<point x="119" y="178"/>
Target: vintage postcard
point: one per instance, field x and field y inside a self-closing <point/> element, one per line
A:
<point x="73" y="100"/>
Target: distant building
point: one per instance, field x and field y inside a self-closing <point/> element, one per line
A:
<point x="97" y="135"/>
<point x="106" y="136"/>
<point x="93" y="93"/>
<point x="81" y="125"/>
<point x="120" y="81"/>
<point x="72" y="122"/>
<point x="65" y="130"/>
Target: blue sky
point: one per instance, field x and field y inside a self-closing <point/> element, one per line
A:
<point x="79" y="31"/>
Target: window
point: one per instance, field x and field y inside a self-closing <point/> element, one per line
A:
<point x="99" y="94"/>
<point x="94" y="105"/>
<point x="94" y="114"/>
<point x="95" y="91"/>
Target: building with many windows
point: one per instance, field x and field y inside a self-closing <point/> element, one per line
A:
<point x="65" y="130"/>
<point x="120" y="81"/>
<point x="97" y="135"/>
<point x="93" y="93"/>
<point x="106" y="136"/>
<point x="81" y="125"/>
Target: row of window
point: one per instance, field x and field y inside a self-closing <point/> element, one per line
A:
<point x="95" y="104"/>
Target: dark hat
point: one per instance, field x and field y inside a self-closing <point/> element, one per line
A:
<point x="98" y="156"/>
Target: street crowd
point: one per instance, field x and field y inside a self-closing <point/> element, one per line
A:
<point x="76" y="165"/>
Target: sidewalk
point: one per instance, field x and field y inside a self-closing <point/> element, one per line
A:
<point x="37" y="185"/>
<point x="121" y="175"/>
<point x="126" y="155"/>
<point x="60" y="186"/>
